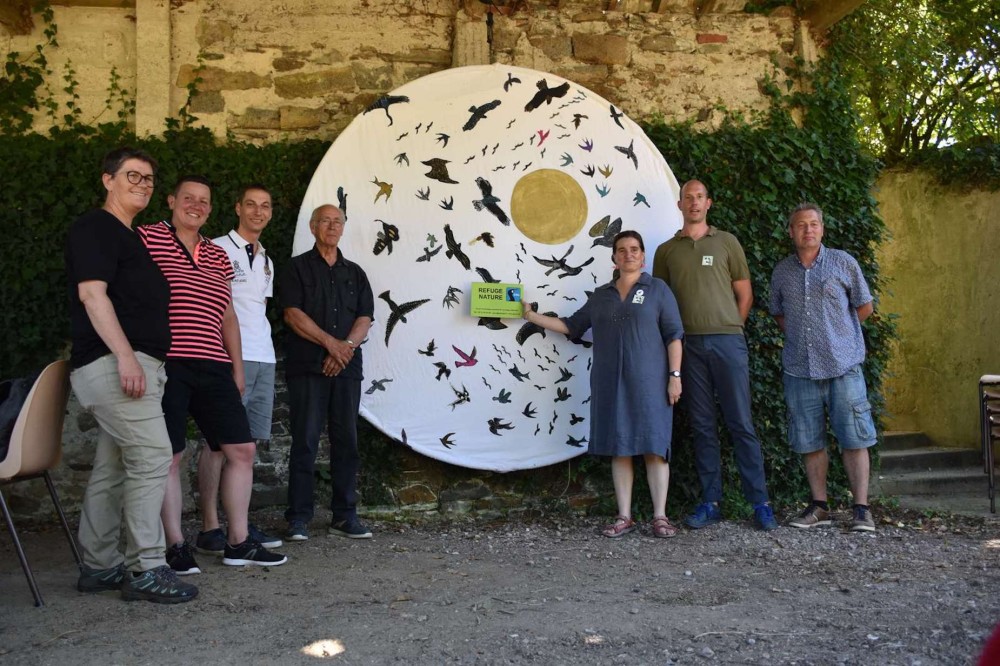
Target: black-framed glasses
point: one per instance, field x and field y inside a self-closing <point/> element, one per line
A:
<point x="135" y="178"/>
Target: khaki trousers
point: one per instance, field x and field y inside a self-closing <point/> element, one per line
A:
<point x="130" y="466"/>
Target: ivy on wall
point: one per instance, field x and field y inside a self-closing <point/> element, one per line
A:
<point x="756" y="171"/>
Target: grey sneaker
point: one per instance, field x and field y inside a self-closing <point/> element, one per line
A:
<point x="99" y="580"/>
<point x="159" y="585"/>
<point x="351" y="528"/>
<point x="862" y="521"/>
<point x="811" y="516"/>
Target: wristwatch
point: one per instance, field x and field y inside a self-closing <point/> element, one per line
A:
<point x="675" y="373"/>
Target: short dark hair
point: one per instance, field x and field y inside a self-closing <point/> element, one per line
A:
<point x="252" y="186"/>
<point x="628" y="233"/>
<point x="113" y="161"/>
<point x="191" y="178"/>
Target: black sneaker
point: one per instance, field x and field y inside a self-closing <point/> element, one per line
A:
<point x="159" y="585"/>
<point x="181" y="559"/>
<point x="351" y="528"/>
<point x="251" y="552"/>
<point x="99" y="580"/>
<point x="263" y="538"/>
<point x="212" y="542"/>
<point x="297" y="531"/>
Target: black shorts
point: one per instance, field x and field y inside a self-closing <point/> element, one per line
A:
<point x="206" y="391"/>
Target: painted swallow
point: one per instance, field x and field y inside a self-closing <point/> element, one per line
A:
<point x="604" y="231"/>
<point x="496" y="424"/>
<point x="562" y="394"/>
<point x="385" y="238"/>
<point x="518" y="375"/>
<point x="447" y="441"/>
<point x="503" y="397"/>
<point x="564" y="376"/>
<point x="586" y="401"/>
<point x="443" y="369"/>
<point x="491" y="323"/>
<point x="398" y="312"/>
<point x="468" y="360"/>
<point x="429" y="126"/>
<point x="455" y="248"/>
<point x="461" y="397"/>
<point x="538" y="428"/>
<point x="342" y="200"/>
<point x="529" y="412"/>
<point x="531" y="140"/>
<point x="416" y="129"/>
<point x="469" y="159"/>
<point x="555" y="350"/>
<point x="560" y="265"/>
<point x="447" y="204"/>
<point x="518" y="145"/>
<point x="431" y="348"/>
<point x="589" y="362"/>
<point x="629" y="152"/>
<point x="549" y="360"/>
<point x="542" y="367"/>
<point x="439" y="170"/>
<point x="615" y="115"/>
<point x="552" y="293"/>
<point x="504" y="350"/>
<point x="377" y="385"/>
<point x="578" y="443"/>
<point x="478" y="113"/>
<point x="587" y="145"/>
<point x="543" y="152"/>
<point x="485" y="148"/>
<point x="402" y="136"/>
<point x="513" y="166"/>
<point x="552" y="426"/>
<point x="402" y="158"/>
<point x="424" y="194"/>
<point x="567" y="159"/>
<point x="443" y="139"/>
<point x="511" y="80"/>
<point x="577" y="119"/>
<point x="542" y="136"/>
<point x="517" y="273"/>
<point x="384" y="189"/>
<point x="384" y="102"/>
<point x="640" y="198"/>
<point x="555" y="416"/>
<point x="572" y="358"/>
<point x="450" y="299"/>
<point x="540" y="388"/>
<point x="488" y="385"/>
<point x="485" y="274"/>
<point x="499" y="168"/>
<point x="521" y="356"/>
<point x="589" y="171"/>
<point x="495" y="146"/>
<point x="545" y="95"/>
<point x="489" y="202"/>
<point x="511" y="123"/>
<point x="563" y="136"/>
<point x="569" y="298"/>
<point x="603" y="191"/>
<point x="574" y="419"/>
<point x="486" y="237"/>
<point x="606" y="170"/>
<point x="494" y="369"/>
<point x="429" y="254"/>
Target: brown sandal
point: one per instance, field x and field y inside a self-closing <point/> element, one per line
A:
<point x="620" y="527"/>
<point x="662" y="529"/>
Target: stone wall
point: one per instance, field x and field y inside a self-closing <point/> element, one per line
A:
<point x="305" y="68"/>
<point x="942" y="261"/>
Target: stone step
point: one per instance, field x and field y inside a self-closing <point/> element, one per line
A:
<point x="895" y="440"/>
<point x="971" y="480"/>
<point x="924" y="459"/>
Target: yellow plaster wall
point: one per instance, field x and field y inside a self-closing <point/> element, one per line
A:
<point x="944" y="265"/>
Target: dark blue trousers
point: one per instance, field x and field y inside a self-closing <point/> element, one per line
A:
<point x="316" y="401"/>
<point x="717" y="366"/>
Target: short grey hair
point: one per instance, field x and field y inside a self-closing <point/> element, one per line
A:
<point x="316" y="212"/>
<point x="806" y="205"/>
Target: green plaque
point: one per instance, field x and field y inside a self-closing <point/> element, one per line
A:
<point x="497" y="299"/>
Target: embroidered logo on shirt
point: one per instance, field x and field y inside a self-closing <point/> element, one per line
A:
<point x="238" y="273"/>
<point x="639" y="297"/>
<point x="708" y="260"/>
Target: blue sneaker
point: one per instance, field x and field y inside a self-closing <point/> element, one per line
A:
<point x="763" y="517"/>
<point x="297" y="531"/>
<point x="263" y="538"/>
<point x="705" y="514"/>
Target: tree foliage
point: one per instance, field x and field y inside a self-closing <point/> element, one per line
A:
<point x="922" y="73"/>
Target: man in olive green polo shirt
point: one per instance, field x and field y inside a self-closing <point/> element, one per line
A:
<point x="708" y="273"/>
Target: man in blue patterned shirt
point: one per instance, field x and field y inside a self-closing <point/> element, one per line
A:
<point x="819" y="298"/>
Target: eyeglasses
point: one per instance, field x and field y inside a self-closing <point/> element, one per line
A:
<point x="135" y="178"/>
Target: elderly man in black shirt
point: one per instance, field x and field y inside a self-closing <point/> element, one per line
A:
<point x="328" y="307"/>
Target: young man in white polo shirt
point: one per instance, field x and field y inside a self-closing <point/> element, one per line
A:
<point x="253" y="284"/>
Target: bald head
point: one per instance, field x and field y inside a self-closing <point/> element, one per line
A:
<point x="694" y="203"/>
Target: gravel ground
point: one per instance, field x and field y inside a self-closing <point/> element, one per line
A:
<point x="552" y="591"/>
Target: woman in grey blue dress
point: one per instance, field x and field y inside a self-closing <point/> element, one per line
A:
<point x="635" y="380"/>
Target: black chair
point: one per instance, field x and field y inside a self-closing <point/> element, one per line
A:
<point x="989" y="428"/>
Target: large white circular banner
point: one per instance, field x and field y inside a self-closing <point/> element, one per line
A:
<point x="486" y="174"/>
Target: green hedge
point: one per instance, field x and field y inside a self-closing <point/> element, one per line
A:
<point x="756" y="172"/>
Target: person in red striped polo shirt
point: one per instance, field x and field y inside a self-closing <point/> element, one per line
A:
<point x="204" y="372"/>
